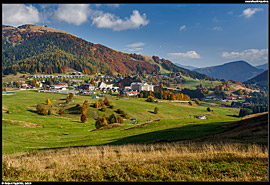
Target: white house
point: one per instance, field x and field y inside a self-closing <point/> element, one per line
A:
<point x="141" y="86"/>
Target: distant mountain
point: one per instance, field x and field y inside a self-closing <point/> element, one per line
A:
<point x="237" y="70"/>
<point x="186" y="67"/>
<point x="33" y="48"/>
<point x="260" y="81"/>
<point x="263" y="66"/>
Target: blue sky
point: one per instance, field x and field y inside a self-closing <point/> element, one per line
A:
<point x="198" y="35"/>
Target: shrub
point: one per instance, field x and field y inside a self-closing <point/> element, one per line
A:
<point x="48" y="102"/>
<point x="100" y="122"/>
<point x="190" y="103"/>
<point x="77" y="105"/>
<point x="71" y="95"/>
<point x="97" y="104"/>
<point x="150" y="99"/>
<point x="208" y="109"/>
<point x="155" y="110"/>
<point x="120" y="111"/>
<point x="119" y="119"/>
<point x="103" y="109"/>
<point x="112" y="106"/>
<point x="61" y="112"/>
<point x="111" y="119"/>
<point x="41" y="109"/>
<point x="83" y="118"/>
<point x="85" y="104"/>
<point x="83" y="110"/>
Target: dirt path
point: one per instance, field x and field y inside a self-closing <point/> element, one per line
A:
<point x="140" y="125"/>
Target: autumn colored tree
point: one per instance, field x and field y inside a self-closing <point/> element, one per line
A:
<point x="83" y="110"/>
<point x="48" y="102"/>
<point x="83" y="118"/>
<point x="61" y="112"/>
<point x="100" y="122"/>
<point x="41" y="109"/>
<point x="71" y="95"/>
<point x="119" y="119"/>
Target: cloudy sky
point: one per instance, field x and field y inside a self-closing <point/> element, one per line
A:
<point x="198" y="35"/>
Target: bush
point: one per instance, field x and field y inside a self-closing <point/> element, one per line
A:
<point x="71" y="95"/>
<point x="100" y="122"/>
<point x="208" y="109"/>
<point x="112" y="106"/>
<point x="190" y="103"/>
<point x="120" y="111"/>
<point x="119" y="119"/>
<point x="97" y="104"/>
<point x="85" y="104"/>
<point x="61" y="112"/>
<point x="150" y="99"/>
<point x="48" y="102"/>
<point x="111" y="119"/>
<point x="83" y="110"/>
<point x="83" y="118"/>
<point x="103" y="109"/>
<point x="244" y="111"/>
<point x="41" y="109"/>
<point x="155" y="110"/>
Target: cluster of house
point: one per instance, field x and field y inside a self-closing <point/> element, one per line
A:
<point x="83" y="88"/>
<point x="72" y="75"/>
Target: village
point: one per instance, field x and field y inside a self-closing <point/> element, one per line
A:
<point x="74" y="83"/>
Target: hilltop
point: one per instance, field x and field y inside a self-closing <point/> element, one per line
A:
<point x="31" y="48"/>
<point x="237" y="70"/>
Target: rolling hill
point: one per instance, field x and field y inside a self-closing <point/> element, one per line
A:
<point x="33" y="48"/>
<point x="237" y="70"/>
<point x="260" y="81"/>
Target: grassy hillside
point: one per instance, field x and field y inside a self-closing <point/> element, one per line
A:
<point x="176" y="122"/>
<point x="173" y="146"/>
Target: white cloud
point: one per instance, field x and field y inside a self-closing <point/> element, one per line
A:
<point x="72" y="13"/>
<point x="137" y="46"/>
<point x="182" y="28"/>
<point x="217" y="28"/>
<point x="252" y="55"/>
<point x="249" y="12"/>
<point x="18" y="14"/>
<point x="113" y="22"/>
<point x="188" y="54"/>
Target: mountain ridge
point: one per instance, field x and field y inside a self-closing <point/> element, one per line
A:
<point x="236" y="70"/>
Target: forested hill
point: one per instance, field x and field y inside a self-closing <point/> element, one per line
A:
<point x="31" y="48"/>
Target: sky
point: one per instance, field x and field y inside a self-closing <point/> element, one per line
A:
<point x="198" y="35"/>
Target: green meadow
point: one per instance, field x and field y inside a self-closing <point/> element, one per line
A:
<point x="24" y="130"/>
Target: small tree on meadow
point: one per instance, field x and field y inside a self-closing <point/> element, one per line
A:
<point x="83" y="118"/>
<point x="71" y="95"/>
<point x="156" y="110"/>
<point x="61" y="112"/>
<point x="208" y="109"/>
<point x="83" y="110"/>
<point x="48" y="102"/>
<point x="119" y="119"/>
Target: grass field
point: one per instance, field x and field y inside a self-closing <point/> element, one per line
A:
<point x="176" y="122"/>
<point x="62" y="148"/>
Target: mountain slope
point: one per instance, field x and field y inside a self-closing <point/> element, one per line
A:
<point x="263" y="66"/>
<point x="30" y="48"/>
<point x="238" y="70"/>
<point x="186" y="67"/>
<point x="260" y="81"/>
